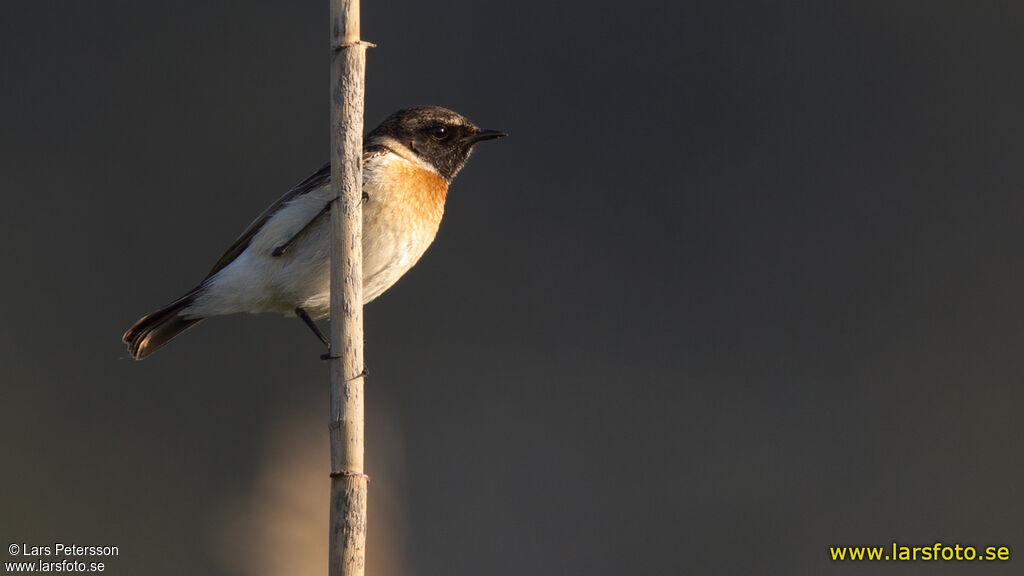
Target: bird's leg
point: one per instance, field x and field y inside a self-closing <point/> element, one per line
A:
<point x="280" y="250"/>
<point x="312" y="326"/>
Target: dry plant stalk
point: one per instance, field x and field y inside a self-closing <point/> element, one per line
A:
<point x="348" y="480"/>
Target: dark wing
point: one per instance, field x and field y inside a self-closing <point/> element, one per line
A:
<point x="314" y="181"/>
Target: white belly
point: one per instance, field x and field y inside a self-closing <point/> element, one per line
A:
<point x="396" y="233"/>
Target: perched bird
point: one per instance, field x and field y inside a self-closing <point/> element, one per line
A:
<point x="281" y="263"/>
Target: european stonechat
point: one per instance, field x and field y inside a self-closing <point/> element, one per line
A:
<point x="281" y="263"/>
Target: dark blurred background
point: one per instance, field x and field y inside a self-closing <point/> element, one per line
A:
<point x="744" y="283"/>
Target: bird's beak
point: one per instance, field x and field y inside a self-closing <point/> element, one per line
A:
<point x="483" y="135"/>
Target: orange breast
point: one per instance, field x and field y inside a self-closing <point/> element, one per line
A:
<point x="421" y="192"/>
<point x="400" y="219"/>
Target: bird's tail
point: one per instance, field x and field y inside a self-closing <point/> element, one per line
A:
<point x="154" y="330"/>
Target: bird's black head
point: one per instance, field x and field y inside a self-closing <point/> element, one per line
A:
<point x="435" y="135"/>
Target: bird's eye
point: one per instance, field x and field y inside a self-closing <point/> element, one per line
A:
<point x="438" y="132"/>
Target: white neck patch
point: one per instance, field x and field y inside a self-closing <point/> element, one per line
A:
<point x="405" y="152"/>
